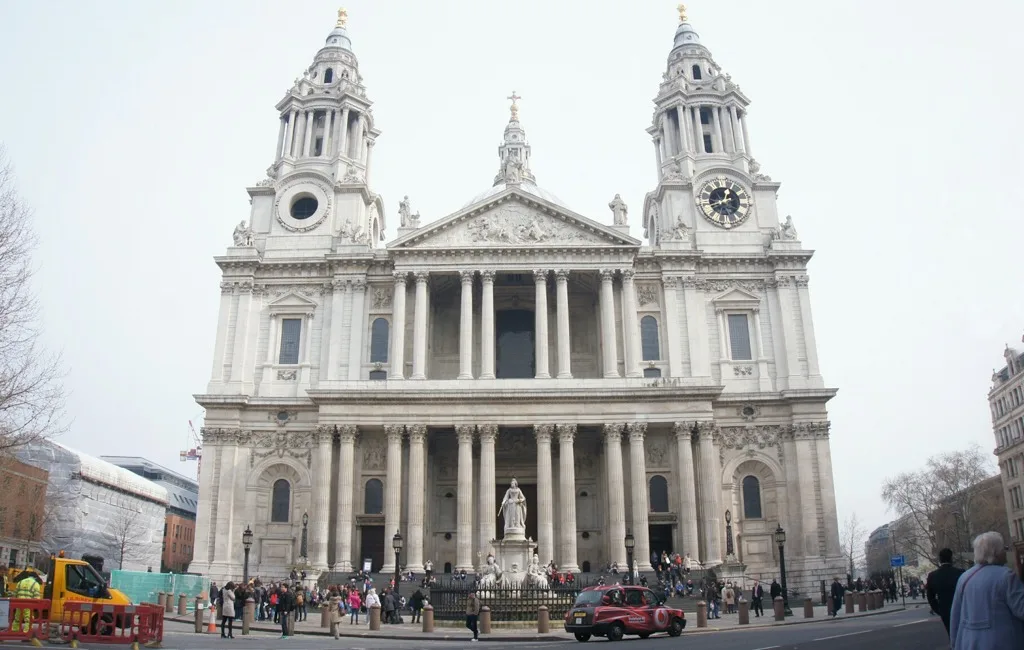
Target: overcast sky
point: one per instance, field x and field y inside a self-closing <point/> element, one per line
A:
<point x="894" y="127"/>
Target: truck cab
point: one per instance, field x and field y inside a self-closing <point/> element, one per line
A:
<point x="78" y="581"/>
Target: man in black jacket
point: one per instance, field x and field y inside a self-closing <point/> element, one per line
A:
<point x="941" y="586"/>
<point x="285" y="605"/>
<point x="756" y="599"/>
<point x="837" y="596"/>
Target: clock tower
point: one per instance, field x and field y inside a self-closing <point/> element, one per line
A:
<point x="711" y="195"/>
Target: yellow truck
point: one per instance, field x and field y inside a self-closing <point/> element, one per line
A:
<point x="78" y="581"/>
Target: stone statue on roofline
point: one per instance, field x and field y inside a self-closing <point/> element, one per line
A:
<point x="619" y="211"/>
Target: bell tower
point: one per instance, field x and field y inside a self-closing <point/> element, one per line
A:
<point x="709" y="185"/>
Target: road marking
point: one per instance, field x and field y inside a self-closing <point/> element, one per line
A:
<point x="839" y="636"/>
<point x="923" y="620"/>
<point x="768" y="647"/>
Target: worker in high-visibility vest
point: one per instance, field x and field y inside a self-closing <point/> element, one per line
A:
<point x="27" y="585"/>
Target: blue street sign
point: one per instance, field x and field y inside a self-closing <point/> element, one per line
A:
<point x="897" y="561"/>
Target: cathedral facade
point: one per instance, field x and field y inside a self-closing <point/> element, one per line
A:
<point x="667" y="388"/>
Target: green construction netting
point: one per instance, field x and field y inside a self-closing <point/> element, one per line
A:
<point x="144" y="587"/>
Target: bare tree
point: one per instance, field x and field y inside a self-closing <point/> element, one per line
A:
<point x="852" y="540"/>
<point x="130" y="537"/>
<point x="31" y="395"/>
<point x="940" y="501"/>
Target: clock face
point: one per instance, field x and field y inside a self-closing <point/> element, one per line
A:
<point x="724" y="202"/>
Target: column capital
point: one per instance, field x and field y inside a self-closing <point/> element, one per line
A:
<point x="488" y="432"/>
<point x="422" y="276"/>
<point x="628" y="275"/>
<point x="566" y="432"/>
<point x="339" y="285"/>
<point x="683" y="431"/>
<point x="543" y="432"/>
<point x="465" y="432"/>
<point x="707" y="430"/>
<point x="394" y="432"/>
<point x="637" y="430"/>
<point x="540" y="275"/>
<point x="487" y="276"/>
<point x="417" y="433"/>
<point x="348" y="433"/>
<point x="467" y="276"/>
<point x="400" y="276"/>
<point x="607" y="275"/>
<point x="358" y="284"/>
<point x="613" y="432"/>
<point x="562" y="275"/>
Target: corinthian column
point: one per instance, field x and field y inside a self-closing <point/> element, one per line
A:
<point x="392" y="490"/>
<point x="638" y="494"/>
<point x="417" y="493"/>
<point x="487" y="325"/>
<point x="616" y="496"/>
<point x="540" y="278"/>
<point x="398" y="328"/>
<point x="688" y="535"/>
<point x="487" y="508"/>
<point x="343" y="532"/>
<point x="709" y="488"/>
<point x="545" y="489"/>
<point x="609" y="351"/>
<point x="321" y="496"/>
<point x="464" y="512"/>
<point x="567" y="492"/>
<point x="562" y="312"/>
<point x="466" y="327"/>
<point x="419" y="328"/>
<point x="631" y="345"/>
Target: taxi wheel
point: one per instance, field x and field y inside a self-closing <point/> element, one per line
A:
<point x="582" y="637"/>
<point x="676" y="628"/>
<point x="615" y="632"/>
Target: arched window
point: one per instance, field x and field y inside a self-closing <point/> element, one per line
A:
<point x="696" y="73"/>
<point x="280" y="501"/>
<point x="373" y="500"/>
<point x="751" y="498"/>
<point x="649" y="338"/>
<point x="328" y="76"/>
<point x="658" y="494"/>
<point x="379" y="341"/>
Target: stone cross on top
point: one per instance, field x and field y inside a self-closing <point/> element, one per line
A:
<point x="682" y="13"/>
<point x="342" y="17"/>
<point x="514" y="109"/>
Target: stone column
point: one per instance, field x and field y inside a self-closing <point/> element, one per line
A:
<point x="803" y="435"/>
<point x="631" y="326"/>
<point x="419" y="328"/>
<point x="638" y="494"/>
<point x="609" y="352"/>
<point x="334" y="351"/>
<point x="321" y="495"/>
<point x="308" y="135"/>
<point x="716" y="129"/>
<point x="828" y="490"/>
<point x="562" y="307"/>
<point x="810" y="343"/>
<point x="282" y="129"/>
<point x="710" y="493"/>
<point x="487" y="325"/>
<point x="726" y="120"/>
<point x="464" y="512"/>
<point x="392" y="491"/>
<point x="346" y="516"/>
<point x="746" y="133"/>
<point x="737" y="135"/>
<point x="540" y="279"/>
<point x="545" y="490"/>
<point x="616" y="494"/>
<point x="657" y="153"/>
<point x="220" y="344"/>
<point x="398" y="328"/>
<point x="684" y="129"/>
<point x="698" y="131"/>
<point x="487" y="507"/>
<point x="325" y="146"/>
<point x="466" y="327"/>
<point x="697" y="326"/>
<point x="784" y="288"/>
<point x="343" y="134"/>
<point x="288" y="150"/>
<point x="688" y="532"/>
<point x="358" y="141"/>
<point x="417" y="496"/>
<point x="245" y="299"/>
<point x="567" y="494"/>
<point x="670" y="285"/>
<point x="356" y="330"/>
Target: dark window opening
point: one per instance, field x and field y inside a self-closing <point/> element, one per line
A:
<point x="291" y="330"/>
<point x="696" y="73"/>
<point x="280" y="501"/>
<point x="379" y="341"/>
<point x="705" y="116"/>
<point x="378" y="375"/>
<point x="739" y="337"/>
<point x="304" y="207"/>
<point x="318" y="148"/>
<point x="373" y="499"/>
<point x="652" y="373"/>
<point x="328" y="76"/>
<point x="751" y="498"/>
<point x="707" y="144"/>
<point x="649" y="343"/>
<point x="659" y="494"/>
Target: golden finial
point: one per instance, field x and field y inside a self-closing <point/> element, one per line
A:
<point x="682" y="13"/>
<point x="342" y="17"/>
<point x="514" y="109"/>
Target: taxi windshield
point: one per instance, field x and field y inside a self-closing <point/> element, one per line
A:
<point x="589" y="598"/>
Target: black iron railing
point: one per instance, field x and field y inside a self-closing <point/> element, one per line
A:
<point x="505" y="603"/>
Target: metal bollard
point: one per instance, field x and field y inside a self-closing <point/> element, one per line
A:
<point x="808" y="608"/>
<point x="485" y="620"/>
<point x="291" y="623"/>
<point x="848" y="601"/>
<point x="862" y="601"/>
<point x="200" y="624"/>
<point x="744" y="609"/>
<point x="702" y="614"/>
<point x="161" y="599"/>
<point x="169" y="603"/>
<point x="375" y="618"/>
<point x="830" y="604"/>
<point x="881" y="599"/>
<point x="248" y="614"/>
<point x="182" y="604"/>
<point x="543" y="620"/>
<point x="325" y="613"/>
<point x="428" y="618"/>
<point x="780" y="608"/>
<point x="872" y="600"/>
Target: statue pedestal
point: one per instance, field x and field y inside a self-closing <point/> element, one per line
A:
<point x="514" y="553"/>
<point x="732" y="570"/>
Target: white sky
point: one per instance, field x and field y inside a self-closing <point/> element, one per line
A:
<point x="894" y="127"/>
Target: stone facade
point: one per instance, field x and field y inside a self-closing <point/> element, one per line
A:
<point x="1006" y="400"/>
<point x="628" y="387"/>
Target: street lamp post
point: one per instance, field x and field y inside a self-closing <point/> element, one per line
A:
<point x="396" y="543"/>
<point x="630" y="544"/>
<point x="780" y="539"/>
<point x="247" y="544"/>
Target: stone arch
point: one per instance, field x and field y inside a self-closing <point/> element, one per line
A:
<point x="264" y="473"/>
<point x="753" y="537"/>
<point x="260" y="489"/>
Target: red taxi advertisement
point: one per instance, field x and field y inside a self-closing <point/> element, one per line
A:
<point x="619" y="610"/>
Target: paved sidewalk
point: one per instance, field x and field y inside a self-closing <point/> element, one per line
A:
<point x="448" y="630"/>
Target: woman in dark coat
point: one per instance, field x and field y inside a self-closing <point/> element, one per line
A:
<point x="416" y="603"/>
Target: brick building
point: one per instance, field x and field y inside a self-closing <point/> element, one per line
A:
<point x="23" y="512"/>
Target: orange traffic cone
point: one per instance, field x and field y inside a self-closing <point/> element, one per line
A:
<point x="212" y="628"/>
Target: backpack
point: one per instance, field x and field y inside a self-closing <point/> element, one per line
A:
<point x="299" y="598"/>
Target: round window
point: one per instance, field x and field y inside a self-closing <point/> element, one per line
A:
<point x="304" y="207"/>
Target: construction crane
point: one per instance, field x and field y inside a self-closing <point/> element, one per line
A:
<point x="194" y="444"/>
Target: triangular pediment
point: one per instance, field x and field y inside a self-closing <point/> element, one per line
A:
<point x="513" y="219"/>
<point x="737" y="298"/>
<point x="292" y="303"/>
